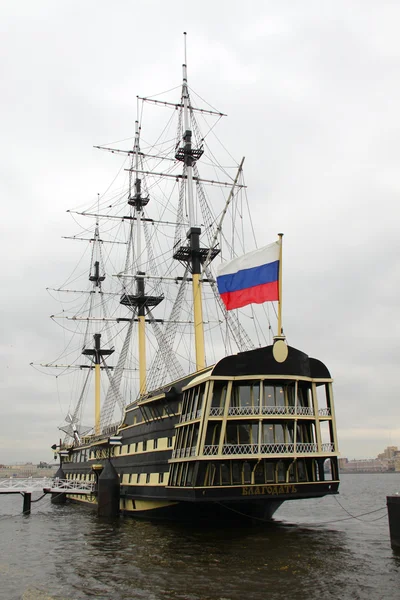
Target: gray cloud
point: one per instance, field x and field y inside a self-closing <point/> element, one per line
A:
<point x="312" y="94"/>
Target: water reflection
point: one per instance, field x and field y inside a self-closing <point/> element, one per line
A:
<point x="66" y="553"/>
<point x="146" y="560"/>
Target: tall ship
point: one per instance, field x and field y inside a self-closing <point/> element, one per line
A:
<point x="182" y="387"/>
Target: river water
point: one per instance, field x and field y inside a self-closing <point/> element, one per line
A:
<point x="313" y="549"/>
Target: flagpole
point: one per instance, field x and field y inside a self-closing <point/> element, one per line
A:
<point x="280" y="235"/>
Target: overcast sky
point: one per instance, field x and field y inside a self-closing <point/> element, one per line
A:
<point x="312" y="92"/>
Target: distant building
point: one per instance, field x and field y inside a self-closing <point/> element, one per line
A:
<point x="372" y="465"/>
<point x="389" y="453"/>
<point x="28" y="470"/>
<point x="386" y="462"/>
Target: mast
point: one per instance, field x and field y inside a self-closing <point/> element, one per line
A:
<point x="97" y="353"/>
<point x="194" y="247"/>
<point x="194" y="254"/>
<point x="140" y="281"/>
<point x="139" y="301"/>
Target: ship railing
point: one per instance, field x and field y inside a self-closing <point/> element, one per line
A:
<point x="288" y="410"/>
<point x="324" y="412"/>
<point x="305" y="411"/>
<point x="100" y="453"/>
<point x="240" y="449"/>
<point x="243" y="410"/>
<point x="277" y="448"/>
<point x="111" y="429"/>
<point x="106" y="431"/>
<point x="235" y="411"/>
<point x="328" y="447"/>
<point x="278" y="410"/>
<point x="216" y="411"/>
<point x="211" y="450"/>
<point x="306" y="447"/>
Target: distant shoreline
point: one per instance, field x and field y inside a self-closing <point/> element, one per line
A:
<point x="367" y="472"/>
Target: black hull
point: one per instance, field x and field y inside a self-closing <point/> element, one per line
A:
<point x="195" y="512"/>
<point x="226" y="504"/>
<point x="211" y="512"/>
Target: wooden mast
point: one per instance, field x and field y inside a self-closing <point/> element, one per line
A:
<point x="193" y="234"/>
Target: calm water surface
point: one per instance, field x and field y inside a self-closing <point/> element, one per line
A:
<point x="309" y="552"/>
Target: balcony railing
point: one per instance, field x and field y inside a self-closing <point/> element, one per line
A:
<point x="216" y="411"/>
<point x="277" y="410"/>
<point x="235" y="411"/>
<point x="306" y="447"/>
<point x="240" y="449"/>
<point x="329" y="447"/>
<point x="277" y="448"/>
<point x="211" y="450"/>
<point x="280" y="448"/>
<point x="324" y="412"/>
<point x="306" y="411"/>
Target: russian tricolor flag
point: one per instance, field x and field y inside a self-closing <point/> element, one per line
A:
<point x="250" y="279"/>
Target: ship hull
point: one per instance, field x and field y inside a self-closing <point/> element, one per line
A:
<point x="231" y="443"/>
<point x="213" y="504"/>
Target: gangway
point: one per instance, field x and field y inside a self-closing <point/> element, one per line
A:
<point x="46" y="485"/>
<point x="17" y="485"/>
<point x="67" y="486"/>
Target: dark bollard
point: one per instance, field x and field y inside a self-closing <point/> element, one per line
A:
<point x="59" y="498"/>
<point x="108" y="492"/>
<point x="26" y="509"/>
<point x="393" y="505"/>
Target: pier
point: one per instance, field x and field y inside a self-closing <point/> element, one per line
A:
<point x="46" y="485"/>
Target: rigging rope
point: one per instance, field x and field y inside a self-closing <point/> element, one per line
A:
<point x="113" y="393"/>
<point x="78" y="406"/>
<point x="161" y="362"/>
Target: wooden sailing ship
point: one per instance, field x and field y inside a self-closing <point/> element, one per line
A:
<point x="208" y="425"/>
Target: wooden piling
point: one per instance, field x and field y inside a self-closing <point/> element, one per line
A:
<point x="393" y="506"/>
<point x="26" y="509"/>
<point x="59" y="497"/>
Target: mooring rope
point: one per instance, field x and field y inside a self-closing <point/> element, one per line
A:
<point x="315" y="524"/>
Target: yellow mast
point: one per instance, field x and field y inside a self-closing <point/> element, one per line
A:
<point x="97" y="353"/>
<point x="97" y="399"/>
<point x="193" y="234"/>
<point x="138" y="202"/>
<point x="198" y="323"/>
<point x="142" y="355"/>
